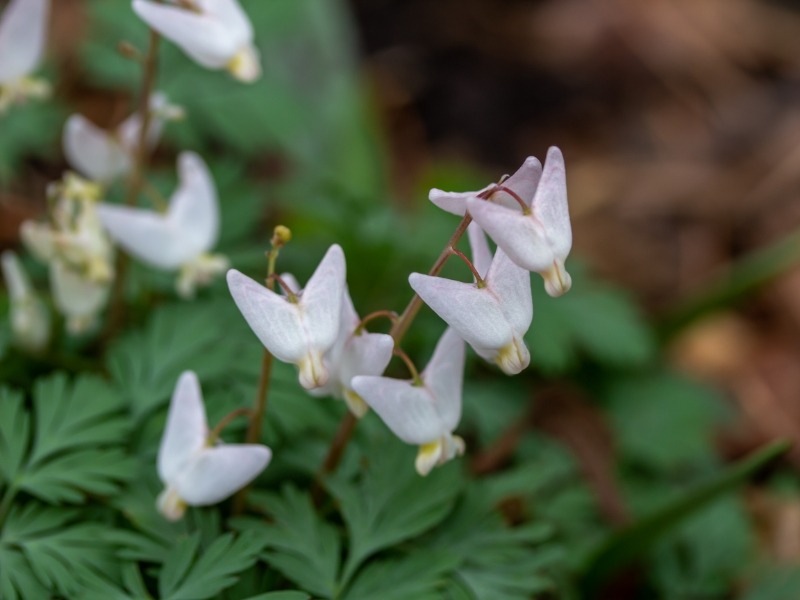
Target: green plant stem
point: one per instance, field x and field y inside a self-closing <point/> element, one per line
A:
<point x="137" y="177"/>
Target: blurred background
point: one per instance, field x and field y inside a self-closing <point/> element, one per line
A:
<point x="679" y="348"/>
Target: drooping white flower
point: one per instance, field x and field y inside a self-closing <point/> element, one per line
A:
<point x="23" y="34"/>
<point x="79" y="298"/>
<point x="30" y="320"/>
<point x="537" y="238"/>
<point x="197" y="471"/>
<point x="179" y="239"/>
<point x="424" y="412"/>
<point x="302" y="327"/>
<point x="217" y="34"/>
<point x="103" y="155"/>
<point x="354" y="353"/>
<point x="491" y="315"/>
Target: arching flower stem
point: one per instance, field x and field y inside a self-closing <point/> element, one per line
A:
<point x="214" y="434"/>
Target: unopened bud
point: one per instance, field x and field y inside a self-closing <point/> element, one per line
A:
<point x="281" y="236"/>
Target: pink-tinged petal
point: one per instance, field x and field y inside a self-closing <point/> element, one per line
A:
<point x="23" y="34"/>
<point x="92" y="151"/>
<point x="216" y="473"/>
<point x="523" y="183"/>
<point x="479" y="248"/>
<point x="193" y="208"/>
<point x="406" y="409"/>
<point x="274" y="319"/>
<point x="550" y="204"/>
<point x="511" y="285"/>
<point x="365" y="354"/>
<point x="204" y="37"/>
<point x="452" y="202"/>
<point x="444" y="375"/>
<point x="473" y="312"/>
<point x="186" y="429"/>
<point x="520" y="236"/>
<point x="322" y="300"/>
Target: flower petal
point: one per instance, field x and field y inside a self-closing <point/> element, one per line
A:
<point x="512" y="287"/>
<point x="17" y="282"/>
<point x="92" y="151"/>
<point x="128" y="130"/>
<point x="204" y="37"/>
<point x="406" y="409"/>
<point x="479" y="248"/>
<point x="231" y="15"/>
<point x="23" y="33"/>
<point x="186" y="429"/>
<point x="145" y="234"/>
<point x="365" y="354"/>
<point x="550" y="204"/>
<point x="519" y="235"/>
<point x="272" y="318"/>
<point x="444" y="375"/>
<point x="193" y="208"/>
<point x="216" y="473"/>
<point x="475" y="313"/>
<point x="74" y="295"/>
<point x="322" y="300"/>
<point x="523" y="183"/>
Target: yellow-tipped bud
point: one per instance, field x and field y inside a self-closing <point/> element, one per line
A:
<point x="281" y="236"/>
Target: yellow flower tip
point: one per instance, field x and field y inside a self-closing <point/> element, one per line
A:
<point x="429" y="456"/>
<point x="355" y="403"/>
<point x="513" y="357"/>
<point x="245" y="65"/>
<point x="281" y="236"/>
<point x="557" y="281"/>
<point x="313" y="373"/>
<point x="171" y="505"/>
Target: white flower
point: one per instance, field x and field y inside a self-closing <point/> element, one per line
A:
<point x="30" y="321"/>
<point x="216" y="34"/>
<point x="195" y="470"/>
<point x="493" y="315"/>
<point x="353" y="353"/>
<point x="23" y="32"/>
<point x="301" y="327"/>
<point x="103" y="156"/>
<point x="76" y="296"/>
<point x="179" y="239"/>
<point x="537" y="238"/>
<point x="424" y="412"/>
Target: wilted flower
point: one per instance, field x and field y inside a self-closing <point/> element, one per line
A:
<point x="354" y="353"/>
<point x="23" y="32"/>
<point x="302" y="326"/>
<point x="102" y="155"/>
<point x="198" y="471"/>
<point x="537" y="238"/>
<point x="217" y="34"/>
<point x="77" y="250"/>
<point x="491" y="315"/>
<point x="423" y="412"/>
<point x="180" y="238"/>
<point x="30" y="321"/>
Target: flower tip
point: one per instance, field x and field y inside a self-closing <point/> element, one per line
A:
<point x="513" y="358"/>
<point x="245" y="65"/>
<point x="355" y="404"/>
<point x="429" y="456"/>
<point x="171" y="505"/>
<point x="557" y="281"/>
<point x="312" y="371"/>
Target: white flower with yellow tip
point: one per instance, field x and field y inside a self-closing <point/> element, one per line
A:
<point x="301" y="326"/>
<point x="30" y="321"/>
<point x="355" y="352"/>
<point x="196" y="470"/>
<point x="23" y="33"/>
<point x="426" y="411"/>
<point x="180" y="238"/>
<point x="216" y="34"/>
<point x="492" y="315"/>
<point x="104" y="155"/>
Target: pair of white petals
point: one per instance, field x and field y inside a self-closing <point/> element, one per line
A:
<point x="216" y="34"/>
<point x="492" y="317"/>
<point x="23" y="35"/>
<point x="538" y="238"/>
<point x="194" y="471"/>
<point x="182" y="237"/>
<point x="423" y="413"/>
<point x="102" y="155"/>
<point x="30" y="320"/>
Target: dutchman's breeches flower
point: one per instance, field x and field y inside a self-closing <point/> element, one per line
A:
<point x="30" y="321"/>
<point x="196" y="470"/>
<point x="423" y="412"/>
<point x="526" y="215"/>
<point x="23" y="33"/>
<point x="354" y="353"/>
<point x="302" y="326"/>
<point x="180" y="239"/>
<point x="492" y="315"/>
<point x="216" y="34"/>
